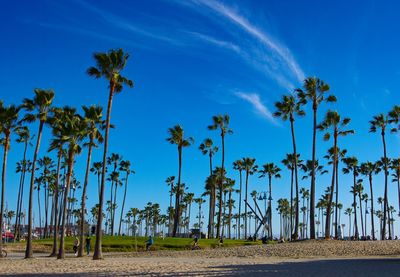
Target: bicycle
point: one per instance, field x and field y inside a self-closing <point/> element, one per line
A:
<point x="4" y="253"/>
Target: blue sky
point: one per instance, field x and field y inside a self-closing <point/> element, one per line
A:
<point x="197" y="58"/>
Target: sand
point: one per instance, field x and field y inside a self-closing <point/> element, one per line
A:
<point x="318" y="258"/>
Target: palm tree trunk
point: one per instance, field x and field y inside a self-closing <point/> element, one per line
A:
<point x="385" y="197"/>
<point x="337" y="196"/>
<point x="61" y="250"/>
<point x="230" y="214"/>
<point x="245" y="206"/>
<point x="221" y="182"/>
<point x="240" y="201"/>
<point x="83" y="201"/>
<point x="3" y="187"/>
<point x="270" y="206"/>
<point x="29" y="251"/>
<point x="123" y="203"/>
<point x="114" y="207"/>
<point x="296" y="178"/>
<point x="40" y="214"/>
<point x="20" y="195"/>
<point x="97" y="248"/>
<point x="312" y="190"/>
<point x="291" y="201"/>
<point x="56" y="225"/>
<point x="361" y="214"/>
<point x="355" y="206"/>
<point x="177" y="198"/>
<point x="329" y="208"/>
<point x="372" y="207"/>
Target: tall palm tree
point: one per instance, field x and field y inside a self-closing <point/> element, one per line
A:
<point x="352" y="167"/>
<point x="333" y="121"/>
<point x="314" y="91"/>
<point x="249" y="168"/>
<point x="22" y="167"/>
<point x="94" y="123"/>
<point x="40" y="105"/>
<point x="46" y="163"/>
<point x="8" y="125"/>
<point x="288" y="108"/>
<point x="270" y="170"/>
<point x="177" y="137"/>
<point x="221" y="122"/>
<point x="207" y="147"/>
<point x="381" y="122"/>
<point x="238" y="165"/>
<point x="109" y="66"/>
<point x="369" y="169"/>
<point x="124" y="166"/>
<point x="73" y="130"/>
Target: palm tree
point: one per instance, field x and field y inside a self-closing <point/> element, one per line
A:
<point x="177" y="137"/>
<point x="96" y="169"/>
<point x="337" y="124"/>
<point x="249" y="168"/>
<point x="170" y="182"/>
<point x="288" y="108"/>
<point x="41" y="105"/>
<point x="348" y="212"/>
<point x="109" y="66"/>
<point x="73" y="130"/>
<point x="114" y="161"/>
<point x="238" y="165"/>
<point x="369" y="169"/>
<point x="199" y="201"/>
<point x="395" y="167"/>
<point x="352" y="166"/>
<point x="8" y="125"/>
<point x="291" y="163"/>
<point x="22" y="167"/>
<point x="270" y="170"/>
<point x="221" y="122"/>
<point x="94" y="122"/>
<point x="124" y="166"/>
<point x="380" y="122"/>
<point x="305" y="195"/>
<point x="207" y="147"/>
<point x="46" y="163"/>
<point x="314" y="91"/>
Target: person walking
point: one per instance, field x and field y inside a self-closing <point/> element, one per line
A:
<point x="76" y="245"/>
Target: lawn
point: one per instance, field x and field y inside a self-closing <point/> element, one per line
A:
<point x="127" y="244"/>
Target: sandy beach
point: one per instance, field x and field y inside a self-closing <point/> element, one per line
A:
<point x="325" y="258"/>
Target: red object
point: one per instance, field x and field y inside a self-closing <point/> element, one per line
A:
<point x="8" y="235"/>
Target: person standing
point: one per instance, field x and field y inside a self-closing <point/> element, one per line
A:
<point x="76" y="245"/>
<point x="88" y="245"/>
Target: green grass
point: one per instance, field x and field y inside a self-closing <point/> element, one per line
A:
<point x="127" y="244"/>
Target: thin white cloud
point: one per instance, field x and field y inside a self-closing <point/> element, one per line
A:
<point x="217" y="42"/>
<point x="282" y="55"/>
<point x="258" y="106"/>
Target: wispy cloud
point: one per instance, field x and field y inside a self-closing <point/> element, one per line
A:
<point x="125" y="24"/>
<point x="216" y="42"/>
<point x="258" y="106"/>
<point x="281" y="52"/>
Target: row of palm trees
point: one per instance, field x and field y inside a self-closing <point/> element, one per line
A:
<point x="71" y="131"/>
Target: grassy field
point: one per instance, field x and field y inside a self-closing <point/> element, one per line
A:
<point x="127" y="244"/>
